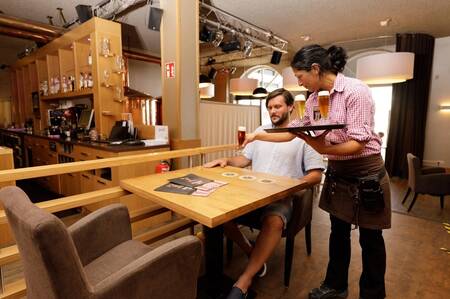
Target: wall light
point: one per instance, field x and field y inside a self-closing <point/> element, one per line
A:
<point x="386" y="68"/>
<point x="290" y="82"/>
<point x="445" y="107"/>
<point x="243" y="86"/>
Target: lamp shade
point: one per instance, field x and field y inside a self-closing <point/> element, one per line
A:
<point x="204" y="81"/>
<point x="243" y="86"/>
<point x="290" y="82"/>
<point x="386" y="68"/>
<point x="260" y="92"/>
<point x="207" y="92"/>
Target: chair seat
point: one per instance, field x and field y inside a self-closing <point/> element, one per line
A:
<point x="113" y="260"/>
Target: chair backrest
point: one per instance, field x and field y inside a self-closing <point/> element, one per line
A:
<point x="301" y="213"/>
<point x="413" y="170"/>
<point x="51" y="264"/>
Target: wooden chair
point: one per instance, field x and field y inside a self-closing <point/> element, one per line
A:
<point x="96" y="257"/>
<point x="301" y="218"/>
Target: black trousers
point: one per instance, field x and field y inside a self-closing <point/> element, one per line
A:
<point x="371" y="283"/>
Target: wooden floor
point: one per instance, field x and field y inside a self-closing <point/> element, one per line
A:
<point x="416" y="267"/>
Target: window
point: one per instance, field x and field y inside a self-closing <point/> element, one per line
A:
<point x="382" y="96"/>
<point x="268" y="78"/>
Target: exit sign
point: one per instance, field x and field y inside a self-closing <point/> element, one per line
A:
<point x="170" y="69"/>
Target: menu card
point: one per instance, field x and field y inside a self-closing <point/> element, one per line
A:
<point x="191" y="184"/>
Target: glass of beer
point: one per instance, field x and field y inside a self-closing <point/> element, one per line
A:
<point x="241" y="135"/>
<point x="299" y="104"/>
<point x="324" y="103"/>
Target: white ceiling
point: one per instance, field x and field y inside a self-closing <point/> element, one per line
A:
<point x="326" y="21"/>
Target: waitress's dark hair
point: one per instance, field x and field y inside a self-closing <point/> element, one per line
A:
<point x="331" y="60"/>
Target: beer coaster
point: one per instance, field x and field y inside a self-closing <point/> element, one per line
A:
<point x="265" y="181"/>
<point x="247" y="178"/>
<point x="229" y="174"/>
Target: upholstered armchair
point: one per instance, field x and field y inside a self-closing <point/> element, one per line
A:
<point x="96" y="257"/>
<point x="433" y="181"/>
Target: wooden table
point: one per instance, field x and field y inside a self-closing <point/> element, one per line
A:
<point x="237" y="198"/>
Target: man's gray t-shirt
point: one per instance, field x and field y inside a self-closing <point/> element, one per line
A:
<point x="292" y="159"/>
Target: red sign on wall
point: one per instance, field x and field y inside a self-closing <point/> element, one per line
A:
<point x="170" y="69"/>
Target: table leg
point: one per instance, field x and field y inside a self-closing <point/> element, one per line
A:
<point x="214" y="284"/>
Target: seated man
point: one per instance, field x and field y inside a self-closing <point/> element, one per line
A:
<point x="295" y="159"/>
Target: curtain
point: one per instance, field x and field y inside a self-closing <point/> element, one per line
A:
<point x="409" y="105"/>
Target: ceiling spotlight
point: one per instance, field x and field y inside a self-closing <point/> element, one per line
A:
<point x="247" y="30"/>
<point x="305" y="37"/>
<point x="218" y="38"/>
<point x="247" y="49"/>
<point x="385" y="23"/>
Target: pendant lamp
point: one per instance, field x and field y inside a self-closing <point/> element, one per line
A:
<point x="260" y="92"/>
<point x="243" y="86"/>
<point x="290" y="82"/>
<point x="385" y="68"/>
<point x="207" y="92"/>
<point x="204" y="81"/>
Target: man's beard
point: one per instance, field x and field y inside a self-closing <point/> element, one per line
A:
<point x="281" y="120"/>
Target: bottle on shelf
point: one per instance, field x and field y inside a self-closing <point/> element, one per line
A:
<point x="81" y="80"/>
<point x="89" y="58"/>
<point x="90" y="81"/>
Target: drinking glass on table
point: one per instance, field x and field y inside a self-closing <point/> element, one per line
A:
<point x="324" y="103"/>
<point x="299" y="104"/>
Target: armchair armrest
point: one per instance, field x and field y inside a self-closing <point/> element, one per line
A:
<point x="432" y="169"/>
<point x="100" y="231"/>
<point x="438" y="184"/>
<point x="169" y="271"/>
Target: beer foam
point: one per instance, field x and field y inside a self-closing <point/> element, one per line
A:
<point x="242" y="128"/>
<point x="300" y="97"/>
<point x="324" y="93"/>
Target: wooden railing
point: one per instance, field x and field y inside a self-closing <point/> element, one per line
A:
<point x="10" y="254"/>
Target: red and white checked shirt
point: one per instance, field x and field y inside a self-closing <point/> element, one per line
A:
<point x="351" y="103"/>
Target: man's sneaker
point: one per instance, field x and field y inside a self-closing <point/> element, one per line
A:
<point x="236" y="293"/>
<point x="263" y="271"/>
<point x="324" y="292"/>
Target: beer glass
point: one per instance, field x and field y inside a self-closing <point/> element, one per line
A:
<point x="299" y="104"/>
<point x="324" y="102"/>
<point x="241" y="135"/>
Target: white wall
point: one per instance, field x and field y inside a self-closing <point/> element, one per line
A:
<point x="145" y="77"/>
<point x="437" y="133"/>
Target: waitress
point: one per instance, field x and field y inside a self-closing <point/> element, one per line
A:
<point x="356" y="189"/>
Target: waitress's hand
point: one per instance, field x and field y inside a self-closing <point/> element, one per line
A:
<point x="249" y="137"/>
<point x="316" y="142"/>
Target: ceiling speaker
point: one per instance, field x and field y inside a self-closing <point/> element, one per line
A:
<point x="154" y="20"/>
<point x="276" y="57"/>
<point x="84" y="12"/>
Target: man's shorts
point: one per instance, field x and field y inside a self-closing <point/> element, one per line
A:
<point x="282" y="208"/>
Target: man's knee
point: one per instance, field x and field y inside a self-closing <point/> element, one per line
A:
<point x="273" y="223"/>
